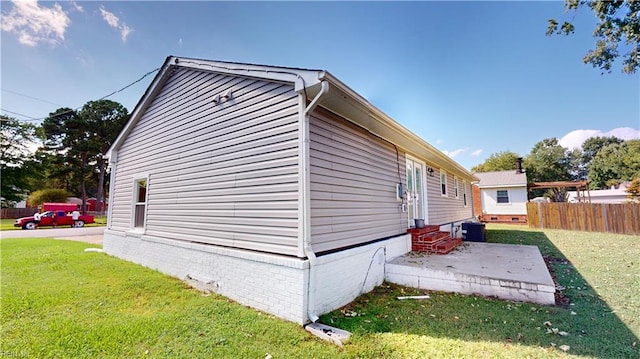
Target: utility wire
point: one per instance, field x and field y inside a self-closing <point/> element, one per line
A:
<point x="31" y="97"/>
<point x="19" y="114"/>
<point x="66" y="112"/>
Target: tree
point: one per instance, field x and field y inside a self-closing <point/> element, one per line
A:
<point x="549" y="162"/>
<point x="15" y="138"/>
<point x="39" y="197"/>
<point x="80" y="139"/>
<point x="633" y="190"/>
<point x="499" y="161"/>
<point x="106" y="118"/>
<point x="593" y="145"/>
<point x="617" y="24"/>
<point x="615" y="163"/>
<point x="67" y="139"/>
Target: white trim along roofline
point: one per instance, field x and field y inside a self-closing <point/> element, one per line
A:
<point x="503" y="186"/>
<point x="341" y="100"/>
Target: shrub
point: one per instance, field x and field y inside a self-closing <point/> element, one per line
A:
<point x="39" y="197"/>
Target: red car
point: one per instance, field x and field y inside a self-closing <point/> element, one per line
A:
<point x="46" y="219"/>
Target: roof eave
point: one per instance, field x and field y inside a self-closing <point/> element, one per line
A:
<point x="352" y="106"/>
<point x="502" y="186"/>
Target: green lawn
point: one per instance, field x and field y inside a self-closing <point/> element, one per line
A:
<point x="58" y="301"/>
<point x="6" y="224"/>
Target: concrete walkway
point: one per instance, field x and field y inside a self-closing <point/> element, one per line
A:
<point x="87" y="234"/>
<point x="506" y="271"/>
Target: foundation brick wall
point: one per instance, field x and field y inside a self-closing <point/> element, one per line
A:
<point x="274" y="284"/>
<point x="504" y="218"/>
<point x="341" y="277"/>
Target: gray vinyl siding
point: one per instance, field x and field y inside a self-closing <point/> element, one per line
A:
<point x="447" y="209"/>
<point x="353" y="175"/>
<point x="223" y="174"/>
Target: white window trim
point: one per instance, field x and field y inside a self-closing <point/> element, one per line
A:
<point x="134" y="194"/>
<point x="508" y="198"/>
<point x="465" y="199"/>
<point x="456" y="187"/>
<point x="446" y="189"/>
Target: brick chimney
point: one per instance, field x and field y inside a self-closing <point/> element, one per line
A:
<point x="519" y="165"/>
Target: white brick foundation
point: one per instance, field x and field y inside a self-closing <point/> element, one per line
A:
<point x="272" y="283"/>
<point x="341" y="277"/>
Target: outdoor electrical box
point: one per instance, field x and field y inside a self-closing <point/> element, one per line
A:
<point x="473" y="232"/>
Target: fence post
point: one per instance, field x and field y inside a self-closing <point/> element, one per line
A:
<point x="604" y="217"/>
<point x="540" y="215"/>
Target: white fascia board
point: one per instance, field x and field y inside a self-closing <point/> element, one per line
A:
<point x="302" y="78"/>
<point x="523" y="186"/>
<point x="364" y="114"/>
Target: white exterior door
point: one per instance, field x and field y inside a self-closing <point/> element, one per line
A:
<point x="416" y="204"/>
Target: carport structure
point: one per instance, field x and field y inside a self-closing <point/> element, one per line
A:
<point x="581" y="187"/>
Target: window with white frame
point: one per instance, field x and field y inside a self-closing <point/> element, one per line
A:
<point x="140" y="203"/>
<point x="464" y="193"/>
<point x="455" y="186"/>
<point x="502" y="196"/>
<point x="443" y="182"/>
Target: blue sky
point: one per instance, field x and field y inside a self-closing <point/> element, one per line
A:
<point x="471" y="78"/>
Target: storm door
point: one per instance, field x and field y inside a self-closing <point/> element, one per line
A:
<point x="416" y="203"/>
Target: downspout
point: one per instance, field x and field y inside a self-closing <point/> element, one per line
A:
<point x="306" y="226"/>
<point x="112" y="180"/>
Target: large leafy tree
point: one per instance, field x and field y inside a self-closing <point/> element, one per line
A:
<point x="66" y="150"/>
<point x="617" y="32"/>
<point x="615" y="163"/>
<point x="499" y="161"/>
<point x="80" y="139"/>
<point x="548" y="161"/>
<point x="105" y="119"/>
<point x="15" y="138"/>
<point x="36" y="198"/>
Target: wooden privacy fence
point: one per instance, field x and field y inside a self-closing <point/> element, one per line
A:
<point x="592" y="217"/>
<point x="17" y="212"/>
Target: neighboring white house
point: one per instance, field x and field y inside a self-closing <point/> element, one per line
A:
<point x="611" y="195"/>
<point x="501" y="196"/>
<point x="281" y="188"/>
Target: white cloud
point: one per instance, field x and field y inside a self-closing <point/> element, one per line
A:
<point x="77" y="6"/>
<point x="114" y="22"/>
<point x="576" y="138"/>
<point x="476" y="153"/>
<point x="110" y="18"/>
<point x="36" y="24"/>
<point x="454" y="153"/>
<point x="124" y="32"/>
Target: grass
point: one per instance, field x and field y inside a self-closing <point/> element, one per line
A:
<point x="60" y="302"/>
<point x="6" y="224"/>
<point x="601" y="311"/>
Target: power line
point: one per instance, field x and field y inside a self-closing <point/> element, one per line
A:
<point x="31" y="97"/>
<point x="19" y="114"/>
<point x="76" y="109"/>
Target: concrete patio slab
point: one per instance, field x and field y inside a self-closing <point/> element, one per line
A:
<point x="506" y="271"/>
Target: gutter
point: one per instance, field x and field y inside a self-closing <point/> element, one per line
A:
<point x="306" y="194"/>
<point x="113" y="160"/>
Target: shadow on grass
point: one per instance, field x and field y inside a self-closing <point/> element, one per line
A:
<point x="581" y="321"/>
